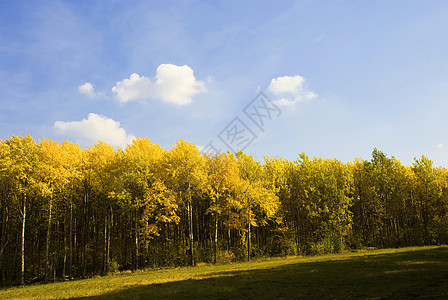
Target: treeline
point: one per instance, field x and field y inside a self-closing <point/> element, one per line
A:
<point x="69" y="212"/>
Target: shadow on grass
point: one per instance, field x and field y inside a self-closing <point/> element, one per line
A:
<point x="415" y="274"/>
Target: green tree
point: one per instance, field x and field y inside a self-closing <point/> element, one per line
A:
<point x="430" y="187"/>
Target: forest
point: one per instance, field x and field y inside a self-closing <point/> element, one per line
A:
<point x="70" y="212"/>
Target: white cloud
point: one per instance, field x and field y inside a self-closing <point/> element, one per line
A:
<point x="89" y="90"/>
<point x="440" y="146"/>
<point x="93" y="129"/>
<point x="289" y="90"/>
<point x="286" y="84"/>
<point x="175" y="84"/>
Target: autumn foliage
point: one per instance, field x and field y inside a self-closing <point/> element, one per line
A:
<point x="69" y="212"/>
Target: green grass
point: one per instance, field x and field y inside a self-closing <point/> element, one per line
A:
<point x="416" y="272"/>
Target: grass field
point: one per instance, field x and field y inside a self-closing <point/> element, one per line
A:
<point x="416" y="272"/>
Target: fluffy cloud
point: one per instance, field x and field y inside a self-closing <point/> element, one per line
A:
<point x="175" y="84"/>
<point x="289" y="90"/>
<point x="88" y="89"/>
<point x="93" y="129"/>
<point x="286" y="84"/>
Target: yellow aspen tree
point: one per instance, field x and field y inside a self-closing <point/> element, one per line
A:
<point x="140" y="165"/>
<point x="23" y="154"/>
<point x="223" y="179"/>
<point x="184" y="168"/>
<point x="255" y="194"/>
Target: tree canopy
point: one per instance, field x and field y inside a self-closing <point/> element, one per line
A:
<point x="69" y="212"/>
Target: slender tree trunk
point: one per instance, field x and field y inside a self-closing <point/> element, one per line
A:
<point x="58" y="251"/>
<point x="298" y="235"/>
<point x="47" y="249"/>
<point x="75" y="241"/>
<point x="54" y="269"/>
<point x="228" y="239"/>
<point x="125" y="234"/>
<point x="35" y="260"/>
<point x="22" y="262"/>
<point x="248" y="236"/>
<point x="64" y="266"/>
<point x="4" y="241"/>
<point x="178" y="238"/>
<point x="190" y="221"/>
<point x="105" y="258"/>
<point x="136" y="240"/>
<point x="70" y="241"/>
<point x="84" y="238"/>
<point x="147" y="244"/>
<point x="216" y="237"/>
<point x="108" y="238"/>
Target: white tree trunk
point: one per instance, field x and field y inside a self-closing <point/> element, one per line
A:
<point x="22" y="262"/>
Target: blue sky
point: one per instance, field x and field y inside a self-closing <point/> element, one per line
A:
<point x="347" y="76"/>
